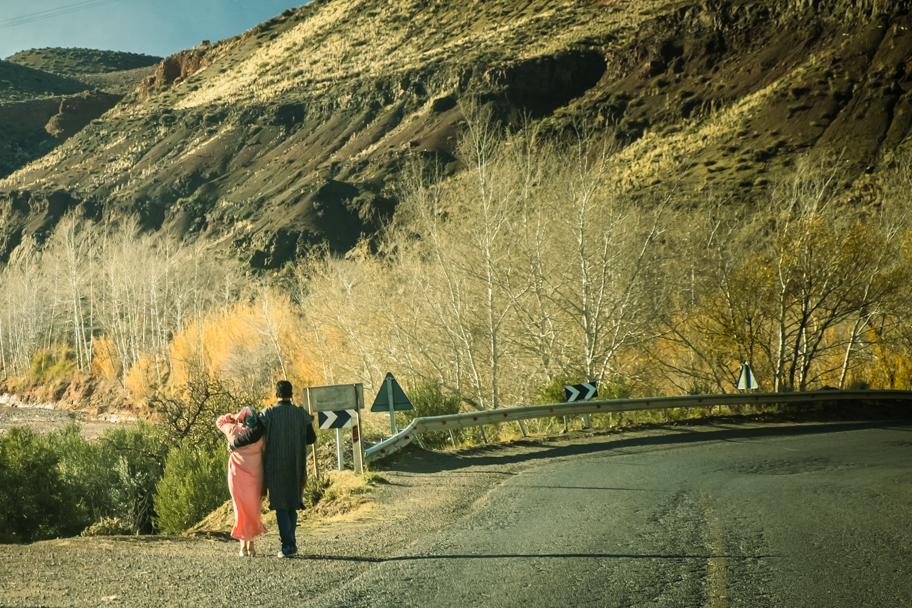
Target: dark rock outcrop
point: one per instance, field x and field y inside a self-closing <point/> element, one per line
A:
<point x="78" y="111"/>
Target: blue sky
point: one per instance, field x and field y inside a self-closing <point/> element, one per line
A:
<point x="152" y="27"/>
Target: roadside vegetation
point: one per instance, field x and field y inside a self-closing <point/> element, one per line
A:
<point x="533" y="264"/>
<point x="167" y="476"/>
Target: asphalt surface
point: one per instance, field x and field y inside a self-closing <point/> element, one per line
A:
<point x="792" y="517"/>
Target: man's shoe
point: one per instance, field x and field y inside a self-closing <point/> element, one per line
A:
<point x="281" y="554"/>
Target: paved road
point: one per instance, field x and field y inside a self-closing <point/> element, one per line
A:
<point x="814" y="516"/>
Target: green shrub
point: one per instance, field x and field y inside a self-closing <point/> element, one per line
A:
<point x="86" y="473"/>
<point x="113" y="477"/>
<point x="32" y="504"/>
<point x="59" y="484"/>
<point x="138" y="454"/>
<point x="618" y="387"/>
<point x="193" y="485"/>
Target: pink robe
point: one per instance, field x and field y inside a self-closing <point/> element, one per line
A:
<point x="245" y="480"/>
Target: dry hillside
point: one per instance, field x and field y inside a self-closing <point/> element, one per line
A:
<point x="79" y="62"/>
<point x="292" y="133"/>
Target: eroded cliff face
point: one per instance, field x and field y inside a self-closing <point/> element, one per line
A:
<point x="176" y="68"/>
<point x="292" y="134"/>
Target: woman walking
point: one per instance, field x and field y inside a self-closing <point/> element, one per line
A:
<point x="245" y="478"/>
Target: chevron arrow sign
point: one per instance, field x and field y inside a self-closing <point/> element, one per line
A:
<point x="581" y="392"/>
<point x="338" y="419"/>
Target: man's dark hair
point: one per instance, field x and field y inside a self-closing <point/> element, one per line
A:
<point x="283" y="389"/>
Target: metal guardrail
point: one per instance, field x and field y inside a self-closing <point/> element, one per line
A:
<point x="458" y="421"/>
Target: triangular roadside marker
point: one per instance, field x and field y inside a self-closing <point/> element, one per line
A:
<point x="747" y="381"/>
<point x="382" y="402"/>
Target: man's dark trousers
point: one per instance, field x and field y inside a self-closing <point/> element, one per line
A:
<point x="287" y="521"/>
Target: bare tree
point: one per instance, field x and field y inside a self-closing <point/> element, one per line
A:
<point x="605" y="290"/>
<point x="71" y="258"/>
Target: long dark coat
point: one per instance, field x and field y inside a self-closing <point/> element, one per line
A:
<point x="285" y="460"/>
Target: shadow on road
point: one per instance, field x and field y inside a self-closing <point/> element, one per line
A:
<point x="405" y="558"/>
<point x="416" y="460"/>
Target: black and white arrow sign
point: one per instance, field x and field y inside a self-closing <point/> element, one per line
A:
<point x="581" y="392"/>
<point x="339" y="419"/>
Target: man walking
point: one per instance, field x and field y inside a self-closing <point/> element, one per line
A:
<point x="289" y="430"/>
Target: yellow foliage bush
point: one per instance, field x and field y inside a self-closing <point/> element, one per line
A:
<point x="105" y="361"/>
<point x="144" y="377"/>
<point x="252" y="344"/>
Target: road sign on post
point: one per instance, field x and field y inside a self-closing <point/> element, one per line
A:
<point x="334" y="398"/>
<point x="391" y="398"/>
<point x="336" y="407"/>
<point x="336" y="420"/>
<point x="746" y="380"/>
<point x="580" y="392"/>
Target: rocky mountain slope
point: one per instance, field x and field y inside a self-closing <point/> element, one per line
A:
<point x="291" y="134"/>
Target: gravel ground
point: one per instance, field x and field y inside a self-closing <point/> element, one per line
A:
<point x="426" y="492"/>
<point x="43" y="419"/>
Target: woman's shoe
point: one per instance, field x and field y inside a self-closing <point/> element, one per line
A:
<point x="251" y="553"/>
<point x="244" y="553"/>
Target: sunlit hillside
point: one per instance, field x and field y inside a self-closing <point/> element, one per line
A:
<point x="292" y="134"/>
